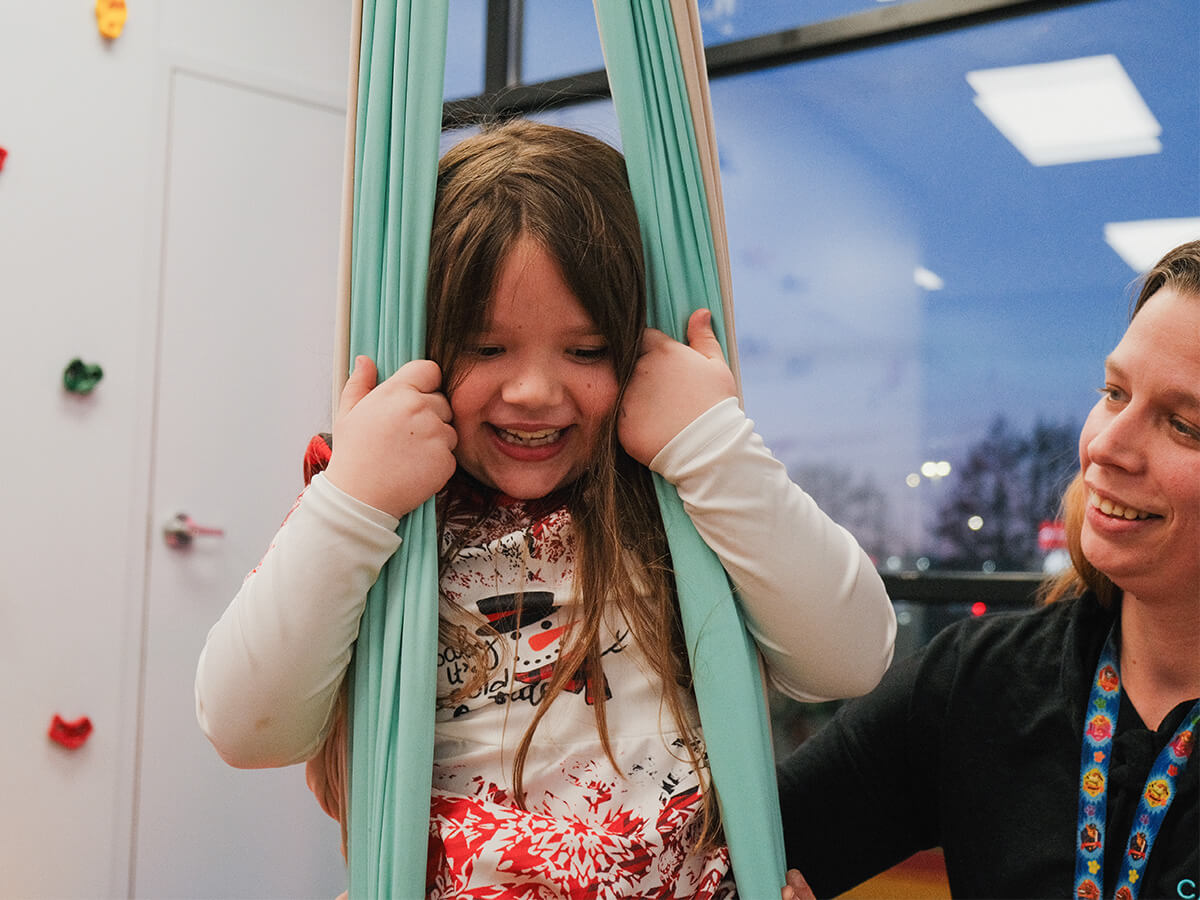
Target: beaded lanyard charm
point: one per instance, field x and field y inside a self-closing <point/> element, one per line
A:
<point x="1098" y="730"/>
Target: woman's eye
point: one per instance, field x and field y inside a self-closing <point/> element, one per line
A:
<point x="1185" y="428"/>
<point x="487" y="351"/>
<point x="590" y="354"/>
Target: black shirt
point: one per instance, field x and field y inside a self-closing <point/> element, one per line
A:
<point x="973" y="744"/>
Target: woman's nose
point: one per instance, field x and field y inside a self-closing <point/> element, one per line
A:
<point x="1119" y="441"/>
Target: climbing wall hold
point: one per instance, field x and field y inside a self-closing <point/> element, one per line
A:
<point x="80" y="377"/>
<point x="71" y="735"/>
<point x="110" y="17"/>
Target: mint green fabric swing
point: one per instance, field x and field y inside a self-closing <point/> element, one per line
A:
<point x="396" y="80"/>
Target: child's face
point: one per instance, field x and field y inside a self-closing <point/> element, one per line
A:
<point x="538" y="384"/>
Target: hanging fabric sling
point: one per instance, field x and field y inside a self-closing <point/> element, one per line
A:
<point x="654" y="57"/>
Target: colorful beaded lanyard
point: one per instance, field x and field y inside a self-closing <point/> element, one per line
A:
<point x="1099" y="728"/>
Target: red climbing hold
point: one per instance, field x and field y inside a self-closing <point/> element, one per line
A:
<point x="70" y="734"/>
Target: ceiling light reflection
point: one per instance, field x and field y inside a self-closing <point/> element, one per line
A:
<point x="930" y="281"/>
<point x="1073" y="110"/>
<point x="1142" y="244"/>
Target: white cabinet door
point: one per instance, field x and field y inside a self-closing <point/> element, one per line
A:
<point x="247" y="288"/>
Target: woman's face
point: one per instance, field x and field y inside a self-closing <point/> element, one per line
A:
<point x="1140" y="455"/>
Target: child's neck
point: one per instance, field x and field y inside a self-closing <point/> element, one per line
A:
<point x="466" y="488"/>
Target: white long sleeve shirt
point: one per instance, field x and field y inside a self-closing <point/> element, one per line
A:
<point x="271" y="668"/>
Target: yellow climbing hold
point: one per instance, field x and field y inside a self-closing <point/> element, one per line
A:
<point x="110" y="17"/>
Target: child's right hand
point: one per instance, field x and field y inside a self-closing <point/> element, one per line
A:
<point x="393" y="444"/>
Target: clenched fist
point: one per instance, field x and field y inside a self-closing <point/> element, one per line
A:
<point x="672" y="385"/>
<point x="393" y="444"/>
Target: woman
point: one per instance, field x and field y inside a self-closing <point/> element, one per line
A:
<point x="998" y="742"/>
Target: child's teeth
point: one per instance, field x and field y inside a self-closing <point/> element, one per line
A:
<point x="531" y="438"/>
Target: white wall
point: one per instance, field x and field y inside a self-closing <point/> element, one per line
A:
<point x="85" y="122"/>
<point x="75" y="117"/>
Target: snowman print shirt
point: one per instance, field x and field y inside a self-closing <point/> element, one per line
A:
<point x="586" y="829"/>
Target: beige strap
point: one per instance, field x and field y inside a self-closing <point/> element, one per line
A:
<point x="686" y="16"/>
<point x="341" y="321"/>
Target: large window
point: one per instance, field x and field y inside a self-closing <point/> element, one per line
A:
<point x="923" y="298"/>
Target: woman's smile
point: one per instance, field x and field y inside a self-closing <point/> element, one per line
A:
<point x="1115" y="521"/>
<point x="1116" y="509"/>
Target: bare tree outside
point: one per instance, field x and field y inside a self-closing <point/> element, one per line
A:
<point x="856" y="503"/>
<point x="1006" y="487"/>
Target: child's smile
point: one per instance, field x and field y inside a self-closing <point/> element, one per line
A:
<point x="530" y="439"/>
<point x="539" y="384"/>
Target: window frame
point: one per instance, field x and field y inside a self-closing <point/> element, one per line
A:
<point x="505" y="96"/>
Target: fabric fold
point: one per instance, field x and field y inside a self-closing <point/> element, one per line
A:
<point x="644" y="47"/>
<point x="397" y="124"/>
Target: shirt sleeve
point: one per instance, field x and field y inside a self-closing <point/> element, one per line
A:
<point x="811" y="597"/>
<point x="861" y="794"/>
<point x="269" y="673"/>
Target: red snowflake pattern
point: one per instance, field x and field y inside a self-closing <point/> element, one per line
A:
<point x="482" y="850"/>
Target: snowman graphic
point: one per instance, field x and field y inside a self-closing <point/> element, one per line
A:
<point x="529" y="622"/>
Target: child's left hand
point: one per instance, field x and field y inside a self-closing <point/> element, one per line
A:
<point x="672" y="385"/>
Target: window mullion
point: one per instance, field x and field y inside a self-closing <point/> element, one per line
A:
<point x="502" y="51"/>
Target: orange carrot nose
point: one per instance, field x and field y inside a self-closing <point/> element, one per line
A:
<point x="545" y="638"/>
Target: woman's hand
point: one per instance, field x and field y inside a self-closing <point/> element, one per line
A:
<point x="796" y="888"/>
<point x="393" y="444"/>
<point x="672" y="385"/>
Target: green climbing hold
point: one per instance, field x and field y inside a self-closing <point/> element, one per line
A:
<point x="80" y="377"/>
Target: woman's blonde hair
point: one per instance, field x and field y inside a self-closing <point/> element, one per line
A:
<point x="1178" y="270"/>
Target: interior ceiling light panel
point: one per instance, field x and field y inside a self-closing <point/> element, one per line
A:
<point x="1142" y="244"/>
<point x="1073" y="110"/>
